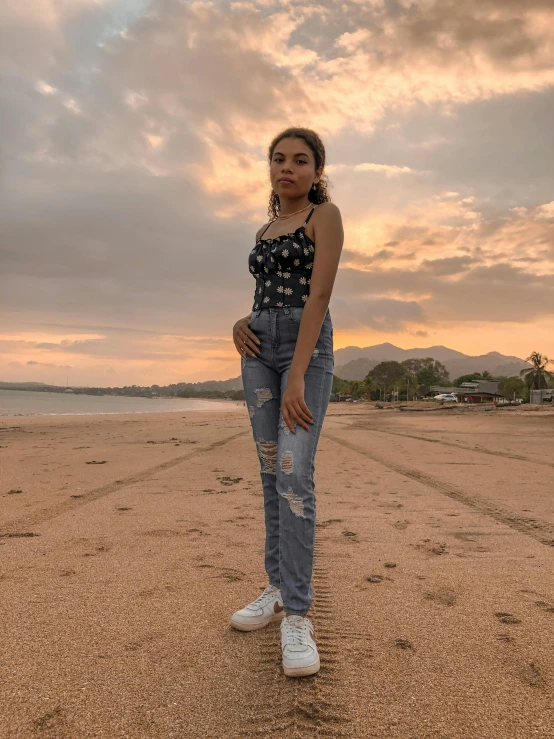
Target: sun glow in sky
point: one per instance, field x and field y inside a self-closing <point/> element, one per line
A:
<point x="134" y="176"/>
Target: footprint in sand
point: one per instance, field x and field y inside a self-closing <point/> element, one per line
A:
<point x="325" y="524"/>
<point x="137" y="644"/>
<point x="531" y="675"/>
<point x="198" y="531"/>
<point x="404" y="644"/>
<point x="444" y="596"/>
<point x="97" y="550"/>
<point x="146" y="593"/>
<point x="51" y="721"/>
<point x="545" y="606"/>
<point x="507" y="618"/>
<point x="352" y="535"/>
<point x="375" y="578"/>
<point x="229" y="574"/>
<point x="432" y="547"/>
<point x="401" y="525"/>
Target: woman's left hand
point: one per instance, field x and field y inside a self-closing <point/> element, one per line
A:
<point x="293" y="406"/>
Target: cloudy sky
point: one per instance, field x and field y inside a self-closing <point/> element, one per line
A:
<point x="133" y="138"/>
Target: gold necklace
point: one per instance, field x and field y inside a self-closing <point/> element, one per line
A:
<point x="298" y="211"/>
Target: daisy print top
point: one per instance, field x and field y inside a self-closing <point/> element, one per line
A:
<point x="282" y="268"/>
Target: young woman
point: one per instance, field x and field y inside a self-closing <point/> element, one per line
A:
<point x="286" y="345"/>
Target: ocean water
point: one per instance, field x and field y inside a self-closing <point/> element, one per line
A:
<point x="31" y="403"/>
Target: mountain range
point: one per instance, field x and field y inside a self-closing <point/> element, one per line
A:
<point x="354" y="362"/>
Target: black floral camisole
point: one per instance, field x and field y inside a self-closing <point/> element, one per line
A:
<point x="283" y="268"/>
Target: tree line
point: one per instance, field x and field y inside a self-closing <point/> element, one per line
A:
<point x="404" y="378"/>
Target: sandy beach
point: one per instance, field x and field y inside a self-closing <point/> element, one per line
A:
<point x="127" y="541"/>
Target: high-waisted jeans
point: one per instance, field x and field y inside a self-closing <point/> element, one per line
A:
<point x="287" y="459"/>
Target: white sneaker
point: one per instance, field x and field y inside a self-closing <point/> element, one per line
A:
<point x="300" y="656"/>
<point x="265" y="609"/>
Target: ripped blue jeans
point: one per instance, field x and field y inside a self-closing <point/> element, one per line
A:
<point x="287" y="459"/>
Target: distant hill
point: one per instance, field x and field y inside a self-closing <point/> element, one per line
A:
<point x="354" y="362"/>
<point x="383" y="352"/>
<point x="21" y="385"/>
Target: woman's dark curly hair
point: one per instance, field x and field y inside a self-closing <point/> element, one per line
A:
<point x="320" y="194"/>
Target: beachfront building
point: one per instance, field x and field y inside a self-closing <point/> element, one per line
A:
<point x="479" y="391"/>
<point x="339" y="397"/>
<point x="540" y="396"/>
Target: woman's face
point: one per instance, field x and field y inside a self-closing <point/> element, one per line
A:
<point x="292" y="168"/>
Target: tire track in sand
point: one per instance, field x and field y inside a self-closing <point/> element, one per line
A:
<point x="540" y="530"/>
<point x="477" y="449"/>
<point x="307" y="706"/>
<point x="63" y="506"/>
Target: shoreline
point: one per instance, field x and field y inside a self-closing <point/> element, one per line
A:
<point x="118" y="402"/>
<point x="104" y="413"/>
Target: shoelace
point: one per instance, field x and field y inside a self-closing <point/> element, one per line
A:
<point x="296" y="629"/>
<point x="261" y="600"/>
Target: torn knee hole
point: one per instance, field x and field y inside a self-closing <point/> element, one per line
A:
<point x="267" y="451"/>
<point x="295" y="502"/>
<point x="263" y="394"/>
<point x="287" y="462"/>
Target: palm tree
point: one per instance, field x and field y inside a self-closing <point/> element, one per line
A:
<point x="536" y="377"/>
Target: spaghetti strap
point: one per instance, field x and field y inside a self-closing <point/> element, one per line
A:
<point x="265" y="229"/>
<point x="309" y="215"/>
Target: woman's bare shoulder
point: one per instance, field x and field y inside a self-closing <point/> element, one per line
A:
<point x="328" y="210"/>
<point x="327" y="216"/>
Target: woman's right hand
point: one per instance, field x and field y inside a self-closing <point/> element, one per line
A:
<point x="245" y="340"/>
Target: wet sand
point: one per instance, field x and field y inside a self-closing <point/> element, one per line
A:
<point x="127" y="541"/>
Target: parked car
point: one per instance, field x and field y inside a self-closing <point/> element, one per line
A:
<point x="446" y="396"/>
